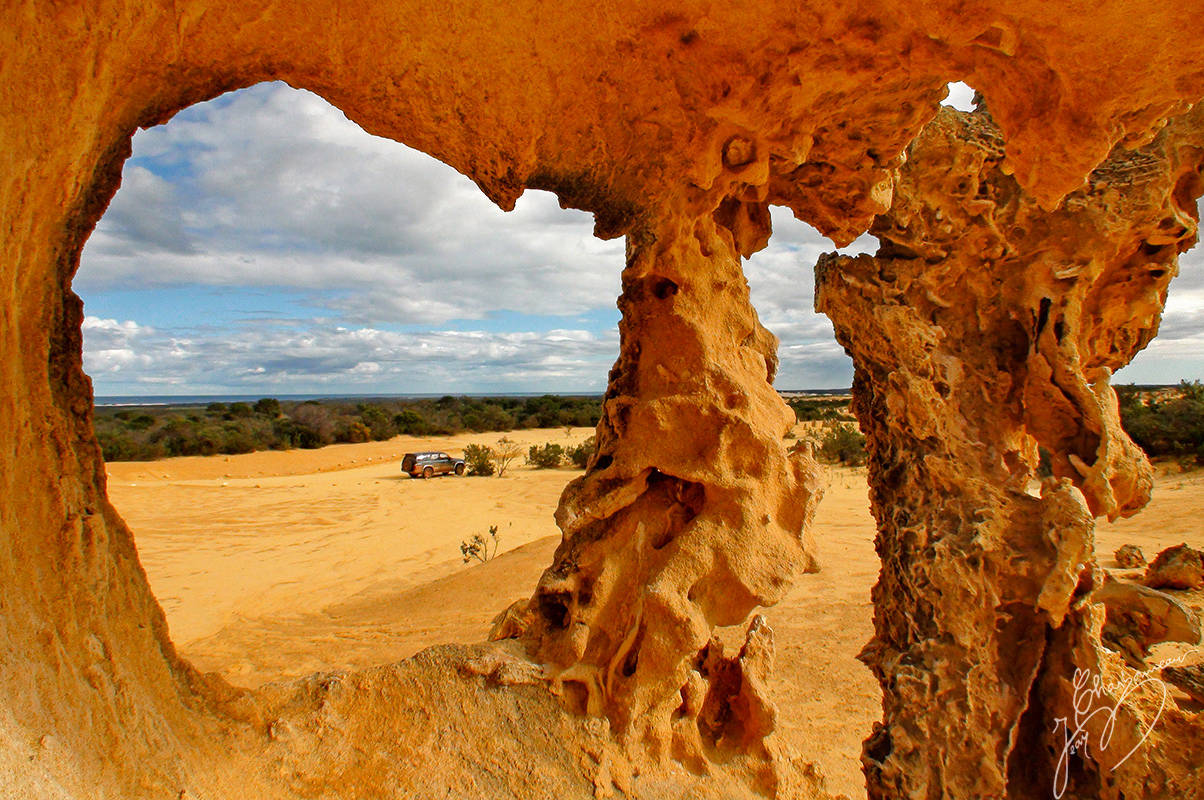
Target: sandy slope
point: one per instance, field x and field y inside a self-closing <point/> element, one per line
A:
<point x="232" y="538"/>
<point x="284" y="563"/>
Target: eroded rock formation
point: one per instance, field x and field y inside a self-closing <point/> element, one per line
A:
<point x="675" y="124"/>
<point x="1190" y="680"/>
<point x="1137" y="617"/>
<point x="1129" y="556"/>
<point x="1178" y="567"/>
<point x="692" y="512"/>
<point x="984" y="330"/>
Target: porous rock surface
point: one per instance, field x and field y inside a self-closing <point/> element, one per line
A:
<point x="983" y="331"/>
<point x="1129" y="556"/>
<point x="1189" y="679"/>
<point x="1178" y="567"/>
<point x="1137" y="617"/>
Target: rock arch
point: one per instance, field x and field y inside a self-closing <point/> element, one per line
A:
<point x="676" y="126"/>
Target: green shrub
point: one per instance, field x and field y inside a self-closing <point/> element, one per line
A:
<point x="480" y="548"/>
<point x="547" y="456"/>
<point x="290" y="433"/>
<point x="141" y="422"/>
<point x="410" y="422"/>
<point x="238" y="410"/>
<point x="238" y="440"/>
<point x="119" y="447"/>
<point x="580" y="454"/>
<point x="268" y="406"/>
<point x="809" y="409"/>
<point x="357" y="433"/>
<point x="479" y="460"/>
<point x="1166" y="423"/>
<point x="380" y="424"/>
<point x="841" y="443"/>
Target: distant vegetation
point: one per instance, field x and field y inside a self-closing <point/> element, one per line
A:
<point x="837" y="439"/>
<point x="810" y="409"/>
<point x="1166" y="423"/>
<point x="149" y="432"/>
<point x="839" y="443"/>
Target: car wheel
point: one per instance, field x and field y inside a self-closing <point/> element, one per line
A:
<point x="427" y="472"/>
<point x="459" y="469"/>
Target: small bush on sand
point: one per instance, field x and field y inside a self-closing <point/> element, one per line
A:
<point x="840" y="443"/>
<point x="580" y="454"/>
<point x="480" y="548"/>
<point x="547" y="456"/>
<point x="504" y="454"/>
<point x="479" y="459"/>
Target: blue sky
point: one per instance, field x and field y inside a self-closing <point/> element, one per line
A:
<point x="263" y="243"/>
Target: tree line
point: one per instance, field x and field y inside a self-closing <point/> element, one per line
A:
<point x="144" y="433"/>
<point x="1167" y="422"/>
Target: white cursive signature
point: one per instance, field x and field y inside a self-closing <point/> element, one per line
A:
<point x="1091" y="700"/>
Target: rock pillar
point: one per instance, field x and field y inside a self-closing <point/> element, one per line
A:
<point x="692" y="512"/>
<point x="984" y="334"/>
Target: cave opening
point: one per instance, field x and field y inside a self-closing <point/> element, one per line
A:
<point x="267" y="286"/>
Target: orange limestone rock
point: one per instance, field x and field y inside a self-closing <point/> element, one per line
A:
<point x="692" y="511"/>
<point x="985" y="328"/>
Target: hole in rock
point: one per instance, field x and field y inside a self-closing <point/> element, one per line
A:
<point x="265" y="289"/>
<point x="832" y="606"/>
<point x="961" y="97"/>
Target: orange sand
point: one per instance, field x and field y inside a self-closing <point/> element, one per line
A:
<point x="284" y="563"/>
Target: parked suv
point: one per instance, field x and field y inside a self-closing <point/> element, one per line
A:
<point x="427" y="465"/>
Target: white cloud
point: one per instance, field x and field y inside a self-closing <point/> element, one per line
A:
<point x="319" y="358"/>
<point x="273" y="187"/>
<point x="115" y="347"/>
<point x="781" y="280"/>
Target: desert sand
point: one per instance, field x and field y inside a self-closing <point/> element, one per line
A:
<point x="280" y="564"/>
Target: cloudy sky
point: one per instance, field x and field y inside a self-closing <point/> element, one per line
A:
<point x="261" y="243"/>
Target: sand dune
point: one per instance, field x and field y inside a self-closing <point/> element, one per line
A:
<point x="280" y="564"/>
<point x="273" y="534"/>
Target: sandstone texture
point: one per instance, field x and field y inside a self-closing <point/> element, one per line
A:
<point x="1137" y="617"/>
<point x="1129" y="556"/>
<point x="984" y="329"/>
<point x="1025" y="256"/>
<point x="1179" y="567"/>
<point x="1189" y="679"/>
